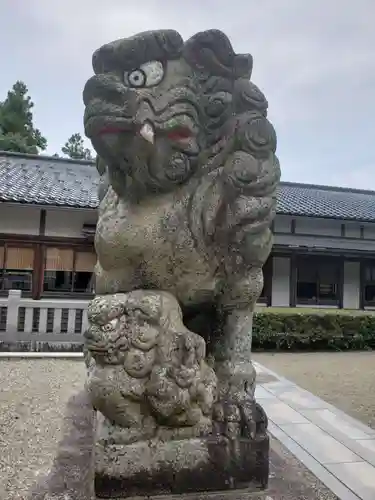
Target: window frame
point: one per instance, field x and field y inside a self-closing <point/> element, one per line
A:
<point x="318" y="261"/>
<point x="366" y="265"/>
<point x="5" y="245"/>
<point x="65" y="293"/>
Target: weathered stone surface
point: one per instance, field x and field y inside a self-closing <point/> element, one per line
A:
<point x="179" y="466"/>
<point x="189" y="175"/>
<point x="147" y="372"/>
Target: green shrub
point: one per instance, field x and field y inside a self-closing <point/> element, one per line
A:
<point x="313" y="331"/>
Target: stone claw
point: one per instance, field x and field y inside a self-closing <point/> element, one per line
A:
<point x="235" y="418"/>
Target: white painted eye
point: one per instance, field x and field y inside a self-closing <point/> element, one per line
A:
<point x="108" y="327"/>
<point x="147" y="75"/>
<point x="136" y="78"/>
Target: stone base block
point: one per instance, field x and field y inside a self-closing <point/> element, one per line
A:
<point x="211" y="463"/>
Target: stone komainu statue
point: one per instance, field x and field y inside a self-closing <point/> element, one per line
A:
<point x="189" y="173"/>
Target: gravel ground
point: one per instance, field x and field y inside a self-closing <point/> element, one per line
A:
<point x="33" y="397"/>
<point x="345" y="379"/>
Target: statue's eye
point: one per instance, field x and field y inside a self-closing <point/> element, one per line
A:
<point x="136" y="78"/>
<point x="108" y="327"/>
<point x="147" y="75"/>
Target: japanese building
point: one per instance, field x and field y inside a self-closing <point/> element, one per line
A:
<point x="323" y="254"/>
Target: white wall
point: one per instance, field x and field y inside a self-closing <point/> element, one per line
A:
<point x="323" y="227"/>
<point x="283" y="224"/>
<point x="19" y="219"/>
<point x="369" y="231"/>
<point x="310" y="225"/>
<point x="60" y="222"/>
<point x="311" y="241"/>
<point x="280" y="281"/>
<point x="352" y="229"/>
<point x="68" y="223"/>
<point x="351" y="290"/>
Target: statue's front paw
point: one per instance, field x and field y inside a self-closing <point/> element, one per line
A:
<point x="235" y="416"/>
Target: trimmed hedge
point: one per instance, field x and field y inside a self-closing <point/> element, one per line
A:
<point x="273" y="331"/>
<point x="313" y="331"/>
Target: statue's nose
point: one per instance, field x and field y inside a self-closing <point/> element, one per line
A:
<point x="145" y="112"/>
<point x="107" y="87"/>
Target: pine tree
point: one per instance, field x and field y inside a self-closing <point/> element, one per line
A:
<point x="75" y="148"/>
<point x="17" y="131"/>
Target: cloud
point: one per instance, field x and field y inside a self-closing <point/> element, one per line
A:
<point x="314" y="60"/>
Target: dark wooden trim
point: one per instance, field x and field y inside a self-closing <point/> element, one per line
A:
<point x="341" y="283"/>
<point x="343" y="229"/>
<point x="39" y="271"/>
<point x="42" y="222"/>
<point x="362" y="232"/>
<point x="331" y="237"/>
<point x="270" y="280"/>
<point x="293" y="281"/>
<point x="52" y="240"/>
<point x="5" y="256"/>
<point x="362" y="284"/>
<point x="267" y="282"/>
<point x="74" y="269"/>
<point x="349" y="254"/>
<point x="25" y="294"/>
<point x="36" y="272"/>
<point x="337" y="219"/>
<point x="364" y="263"/>
<point x="67" y="295"/>
<point x="292" y="227"/>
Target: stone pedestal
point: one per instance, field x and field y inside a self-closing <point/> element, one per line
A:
<point x="212" y="463"/>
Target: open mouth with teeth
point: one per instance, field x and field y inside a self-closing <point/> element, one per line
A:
<point x="176" y="133"/>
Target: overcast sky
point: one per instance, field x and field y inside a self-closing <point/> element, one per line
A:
<point x="314" y="60"/>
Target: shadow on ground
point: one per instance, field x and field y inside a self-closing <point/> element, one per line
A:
<point x="71" y="476"/>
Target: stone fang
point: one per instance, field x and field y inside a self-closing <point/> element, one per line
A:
<point x="147" y="132"/>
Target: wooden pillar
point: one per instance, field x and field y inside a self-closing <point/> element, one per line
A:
<point x="341" y="283"/>
<point x="293" y="281"/>
<point x="38" y="272"/>
<point x="269" y="280"/>
<point x="362" y="266"/>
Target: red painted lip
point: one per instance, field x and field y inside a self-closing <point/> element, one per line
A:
<point x="110" y="130"/>
<point x="176" y="134"/>
<point x="179" y="134"/>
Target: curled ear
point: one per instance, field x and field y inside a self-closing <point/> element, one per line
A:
<point x="243" y="66"/>
<point x="211" y="51"/>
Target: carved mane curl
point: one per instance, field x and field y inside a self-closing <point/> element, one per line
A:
<point x="239" y="170"/>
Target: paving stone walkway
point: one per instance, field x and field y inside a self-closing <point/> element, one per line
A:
<point x="338" y="449"/>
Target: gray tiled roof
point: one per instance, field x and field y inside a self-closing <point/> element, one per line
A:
<point x="324" y="201"/>
<point x="48" y="181"/>
<point x="56" y="181"/>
